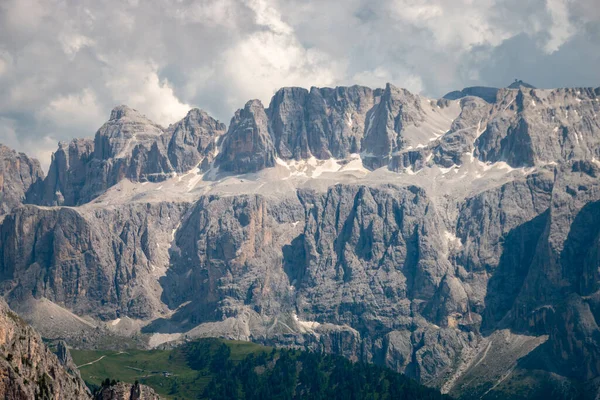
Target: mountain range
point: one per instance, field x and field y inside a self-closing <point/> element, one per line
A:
<point x="456" y="240"/>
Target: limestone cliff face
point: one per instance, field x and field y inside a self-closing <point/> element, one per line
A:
<point x="128" y="146"/>
<point x="126" y="391"/>
<point x="364" y="264"/>
<point x="28" y="369"/>
<point x="68" y="174"/>
<point x="398" y="108"/>
<point x="530" y="126"/>
<point x="103" y="262"/>
<point x="478" y="236"/>
<point x="18" y="173"/>
<point x="194" y="141"/>
<point x="323" y="123"/>
<point x="389" y="127"/>
<point x="247" y="146"/>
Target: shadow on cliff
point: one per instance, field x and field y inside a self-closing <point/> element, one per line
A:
<point x="505" y="285"/>
<point x="568" y="313"/>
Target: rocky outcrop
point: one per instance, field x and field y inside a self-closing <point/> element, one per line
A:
<point x="65" y="359"/>
<point x="389" y="127"/>
<point x="103" y="262"/>
<point x="128" y="146"/>
<point x="18" y="173"/>
<point x="322" y="122"/>
<point x="227" y="254"/>
<point x="531" y="127"/>
<point x="28" y="369"/>
<point x="68" y="174"/>
<point x="486" y="93"/>
<point x="194" y="141"/>
<point x="247" y="147"/>
<point x="449" y="149"/>
<point x="397" y="109"/>
<point x="126" y="391"/>
<point x="355" y="266"/>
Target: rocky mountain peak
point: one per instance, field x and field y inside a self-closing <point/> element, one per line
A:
<point x="247" y="146"/>
<point x="254" y="107"/>
<point x="18" y="173"/>
<point x="528" y="127"/>
<point x="197" y="114"/>
<point x="448" y="238"/>
<point x="517" y="84"/>
<point x="126" y="112"/>
<point x="194" y="141"/>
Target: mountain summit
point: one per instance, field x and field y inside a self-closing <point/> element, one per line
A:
<point x="455" y="240"/>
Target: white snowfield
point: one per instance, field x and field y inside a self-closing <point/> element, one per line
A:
<point x="471" y="176"/>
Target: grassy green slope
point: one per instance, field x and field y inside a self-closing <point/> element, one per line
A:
<point x="218" y="369"/>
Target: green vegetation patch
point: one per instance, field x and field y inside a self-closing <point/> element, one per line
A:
<point x="218" y="369"/>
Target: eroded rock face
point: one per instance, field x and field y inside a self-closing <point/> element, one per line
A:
<point x="126" y="391"/>
<point x="194" y="141"/>
<point x="398" y="108"/>
<point x="128" y="146"/>
<point x="102" y="262"/>
<point x="17" y="174"/>
<point x="490" y="225"/>
<point x="323" y="123"/>
<point x="358" y="263"/>
<point x="247" y="147"/>
<point x="68" y="174"/>
<point x="28" y="369"/>
<point x="530" y="127"/>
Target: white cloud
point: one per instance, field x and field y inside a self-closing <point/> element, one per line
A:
<point x="268" y="16"/>
<point x="561" y="29"/>
<point x="208" y="12"/>
<point x="459" y="24"/>
<point x="79" y="110"/>
<point x="73" y="42"/>
<point x="268" y="59"/>
<point x="137" y="85"/>
<point x="3" y="66"/>
<point x="23" y="16"/>
<point x="36" y="147"/>
<point x="380" y="76"/>
<point x="64" y="63"/>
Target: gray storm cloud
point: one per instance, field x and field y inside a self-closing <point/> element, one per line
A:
<point x="65" y="64"/>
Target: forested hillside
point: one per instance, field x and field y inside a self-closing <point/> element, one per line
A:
<point x="218" y="369"/>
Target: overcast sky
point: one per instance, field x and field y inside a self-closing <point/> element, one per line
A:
<point x="65" y="63"/>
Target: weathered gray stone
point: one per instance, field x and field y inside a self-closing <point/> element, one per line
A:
<point x="18" y="173"/>
<point x="247" y="147"/>
<point x="28" y="369"/>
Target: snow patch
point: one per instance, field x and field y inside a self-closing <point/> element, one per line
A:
<point x="410" y="171"/>
<point x="371" y="118"/>
<point x="479" y="131"/>
<point x="446" y="170"/>
<point x="452" y="240"/>
<point x="313" y="168"/>
<point x="306" y="326"/>
<point x="159" y="338"/>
